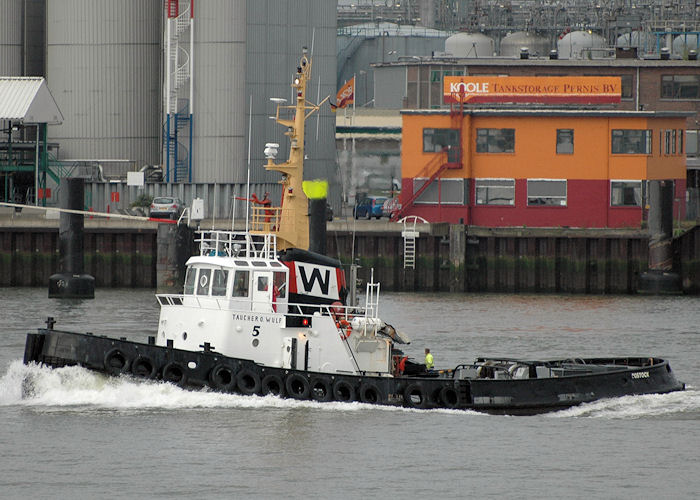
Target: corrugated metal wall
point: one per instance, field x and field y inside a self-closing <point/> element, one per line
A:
<point x="11" y="38"/>
<point x="220" y="104"/>
<point x="277" y="31"/>
<point x="103" y="68"/>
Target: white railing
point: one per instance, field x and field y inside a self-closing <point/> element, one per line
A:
<point x="237" y="244"/>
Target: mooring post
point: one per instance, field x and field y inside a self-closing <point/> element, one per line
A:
<point x="71" y="281"/>
<point x="660" y="277"/>
<point x="458" y="256"/>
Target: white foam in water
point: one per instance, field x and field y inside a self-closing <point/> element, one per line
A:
<point x="77" y="388"/>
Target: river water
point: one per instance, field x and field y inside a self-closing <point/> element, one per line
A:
<point x="83" y="435"/>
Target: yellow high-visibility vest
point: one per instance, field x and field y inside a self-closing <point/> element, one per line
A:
<point x="429" y="361"/>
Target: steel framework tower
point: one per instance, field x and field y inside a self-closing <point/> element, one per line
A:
<point x="178" y="97"/>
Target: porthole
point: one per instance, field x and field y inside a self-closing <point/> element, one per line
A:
<point x="256" y="342"/>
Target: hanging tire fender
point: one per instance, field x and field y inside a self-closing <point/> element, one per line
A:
<point x="175" y="373"/>
<point x="222" y="377"/>
<point x="273" y="384"/>
<point x="297" y="386"/>
<point x="116" y="362"/>
<point x="144" y="367"/>
<point x="321" y="389"/>
<point x="449" y="397"/>
<point x="344" y="391"/>
<point x="415" y="396"/>
<point x="370" y="393"/>
<point x="248" y="382"/>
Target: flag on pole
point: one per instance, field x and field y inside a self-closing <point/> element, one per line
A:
<point x="346" y="95"/>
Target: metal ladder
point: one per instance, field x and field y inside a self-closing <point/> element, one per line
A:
<point x="410" y="234"/>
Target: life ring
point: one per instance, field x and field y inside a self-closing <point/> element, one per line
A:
<point x="345" y="328"/>
<point x="369" y="393"/>
<point x="222" y="378"/>
<point x="272" y="384"/>
<point x="415" y="397"/>
<point x="144" y="367"/>
<point x="343" y="391"/>
<point x="248" y="382"/>
<point x="116" y="362"/>
<point x="449" y="397"/>
<point x="175" y="373"/>
<point x="297" y="386"/>
<point x="321" y="389"/>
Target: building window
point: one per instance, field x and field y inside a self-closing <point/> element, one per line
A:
<point x="626" y="193"/>
<point x="680" y="142"/>
<point x="680" y="86"/>
<point x="631" y="142"/>
<point x="691" y="142"/>
<point x="495" y="191"/>
<point x="565" y="141"/>
<point x="436" y="139"/>
<point x="451" y="191"/>
<point x="495" y="140"/>
<point x="626" y="81"/>
<point x="546" y="192"/>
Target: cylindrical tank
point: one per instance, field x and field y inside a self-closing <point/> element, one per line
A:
<point x="513" y="42"/>
<point x="11" y="38"/>
<point x="644" y="42"/>
<point x="576" y="45"/>
<point x="470" y="45"/>
<point x="220" y="104"/>
<point x="685" y="42"/>
<point x="103" y="61"/>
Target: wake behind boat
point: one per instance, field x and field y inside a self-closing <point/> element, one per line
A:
<point x="261" y="314"/>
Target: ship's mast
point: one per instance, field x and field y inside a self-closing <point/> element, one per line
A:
<point x="290" y="221"/>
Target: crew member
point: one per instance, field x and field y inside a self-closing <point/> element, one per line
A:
<point x="265" y="202"/>
<point x="428" y="360"/>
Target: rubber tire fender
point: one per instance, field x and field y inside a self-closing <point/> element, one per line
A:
<point x="449" y="397"/>
<point x="297" y="386"/>
<point x="344" y="391"/>
<point x="324" y="386"/>
<point x="248" y="382"/>
<point x="222" y="377"/>
<point x="144" y="367"/>
<point x="114" y="354"/>
<point x="174" y="373"/>
<point x="270" y="382"/>
<point x="370" y="393"/>
<point x="415" y="389"/>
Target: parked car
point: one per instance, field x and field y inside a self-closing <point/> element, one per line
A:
<point x="166" y="207"/>
<point x="391" y="205"/>
<point x="369" y="207"/>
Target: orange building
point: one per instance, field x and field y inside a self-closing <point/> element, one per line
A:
<point x="539" y="167"/>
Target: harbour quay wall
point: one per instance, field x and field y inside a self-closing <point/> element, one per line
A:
<point x="452" y="258"/>
<point x="513" y="260"/>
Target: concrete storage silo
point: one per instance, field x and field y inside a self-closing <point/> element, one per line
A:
<point x="577" y="45"/>
<point x="11" y="38"/>
<point x="513" y="42"/>
<point x="470" y="45"/>
<point x="103" y="65"/>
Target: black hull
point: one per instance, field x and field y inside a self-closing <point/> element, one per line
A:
<point x="57" y="348"/>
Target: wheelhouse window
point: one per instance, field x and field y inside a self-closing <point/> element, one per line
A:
<point x="495" y="191"/>
<point x="280" y="285"/>
<point x="203" y="281"/>
<point x="495" y="140"/>
<point x="451" y="191"/>
<point x="218" y="283"/>
<point x="190" y="280"/>
<point x="680" y="86"/>
<point x="631" y="141"/>
<point x="436" y="140"/>
<point x="565" y="141"/>
<point x="240" y="283"/>
<point x="263" y="283"/>
<point x="544" y="192"/>
<point x="626" y="193"/>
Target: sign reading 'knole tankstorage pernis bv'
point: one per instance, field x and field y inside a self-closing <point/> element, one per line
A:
<point x="542" y="89"/>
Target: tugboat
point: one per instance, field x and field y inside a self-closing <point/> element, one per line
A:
<point x="262" y="314"/>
